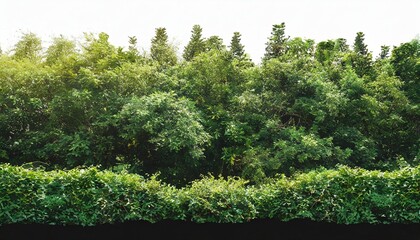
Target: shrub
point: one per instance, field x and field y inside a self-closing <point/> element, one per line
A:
<point x="219" y="200"/>
<point x="345" y="195"/>
<point x="83" y="197"/>
<point x="89" y="197"/>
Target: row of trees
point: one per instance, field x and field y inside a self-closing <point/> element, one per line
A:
<point x="306" y="105"/>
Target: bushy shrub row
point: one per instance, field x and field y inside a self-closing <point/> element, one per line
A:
<point x="83" y="197"/>
<point x="90" y="197"/>
<point x="344" y="195"/>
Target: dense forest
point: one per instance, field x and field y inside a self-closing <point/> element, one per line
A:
<point x="212" y="110"/>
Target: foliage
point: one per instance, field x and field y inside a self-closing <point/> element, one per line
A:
<point x="236" y="48"/>
<point x="60" y="51"/>
<point x="196" y="44"/>
<point x="87" y="196"/>
<point x="344" y="196"/>
<point x="276" y="42"/>
<point x="161" y="51"/>
<point x="83" y="197"/>
<point x="29" y="47"/>
<point x="307" y="105"/>
<point x="218" y="200"/>
<point x="406" y="62"/>
<point x="164" y="132"/>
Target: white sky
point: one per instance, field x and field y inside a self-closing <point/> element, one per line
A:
<point x="384" y="22"/>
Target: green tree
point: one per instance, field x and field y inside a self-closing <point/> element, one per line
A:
<point x="296" y="149"/>
<point x="28" y="47"/>
<point x="324" y="51"/>
<point x="276" y="45"/>
<point x="237" y="51"/>
<point x="332" y="55"/>
<point x="60" y="50"/>
<point x="406" y="61"/>
<point x="236" y="47"/>
<point x="384" y="52"/>
<point x="132" y="41"/>
<point x="341" y="45"/>
<point x="98" y="53"/>
<point x="165" y="133"/>
<point x="133" y="52"/>
<point x="196" y="45"/>
<point x="297" y="48"/>
<point x="214" y="43"/>
<point x="359" y="44"/>
<point x="361" y="60"/>
<point x="161" y="51"/>
<point x="211" y="80"/>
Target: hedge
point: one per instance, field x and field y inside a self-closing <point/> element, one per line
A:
<point x="83" y="197"/>
<point x="344" y="195"/>
<point x="90" y="197"/>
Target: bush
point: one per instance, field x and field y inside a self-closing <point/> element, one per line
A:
<point x="344" y="195"/>
<point x="90" y="197"/>
<point x="83" y="197"/>
<point x="218" y="200"/>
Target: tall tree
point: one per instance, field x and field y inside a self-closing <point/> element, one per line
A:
<point x="161" y="51"/>
<point x="236" y="48"/>
<point x="361" y="59"/>
<point x="133" y="52"/>
<point x="99" y="53"/>
<point x="359" y="46"/>
<point x="276" y="45"/>
<point x="384" y="52"/>
<point x="214" y="42"/>
<point x="324" y="51"/>
<point x="406" y="61"/>
<point x="60" y="49"/>
<point x="196" y="45"/>
<point x="341" y="45"/>
<point x="132" y="41"/>
<point x="29" y="46"/>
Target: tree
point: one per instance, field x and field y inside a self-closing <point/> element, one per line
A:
<point x="165" y="133"/>
<point x="406" y="62"/>
<point x="28" y="47"/>
<point x="133" y="52"/>
<point x="237" y="51"/>
<point x="384" y="52"/>
<point x="214" y="42"/>
<point x="60" y="49"/>
<point x="298" y="48"/>
<point x="324" y="51"/>
<point x="341" y="45"/>
<point x="276" y="45"/>
<point x="359" y="46"/>
<point x="161" y="51"/>
<point x="196" y="44"/>
<point x="132" y="41"/>
<point x="99" y="53"/>
<point x="361" y="60"/>
<point x="236" y="48"/>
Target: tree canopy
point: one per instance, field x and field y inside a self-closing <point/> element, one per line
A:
<point x="308" y="105"/>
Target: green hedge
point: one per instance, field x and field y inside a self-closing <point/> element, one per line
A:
<point x="344" y="195"/>
<point x="90" y="197"/>
<point x="83" y="197"/>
